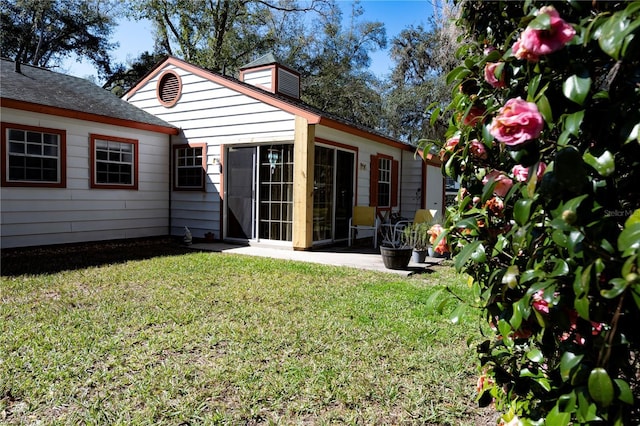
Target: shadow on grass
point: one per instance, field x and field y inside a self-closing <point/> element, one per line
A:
<point x="57" y="258"/>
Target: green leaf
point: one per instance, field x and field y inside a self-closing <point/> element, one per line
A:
<point x="572" y="122"/>
<point x="634" y="134"/>
<point x="457" y="313"/>
<point x="541" y="22"/>
<point x="619" y="285"/>
<point x="435" y="114"/>
<point x="522" y="210"/>
<point x="600" y="387"/>
<point x="574" y="243"/>
<point x="544" y="106"/>
<point x="535" y="355"/>
<point x="557" y="418"/>
<point x="561" y="268"/>
<point x="582" y="281"/>
<point x="587" y="410"/>
<point x="576" y="88"/>
<point x="624" y="391"/>
<point x="633" y="219"/>
<point x="605" y="164"/>
<point x="568" y="363"/>
<point x="457" y="73"/>
<point x="582" y="306"/>
<point x="463" y="257"/>
<point x="436" y="300"/>
<point x="533" y="87"/>
<point x="629" y="238"/>
<point x="612" y="34"/>
<point x="479" y="255"/>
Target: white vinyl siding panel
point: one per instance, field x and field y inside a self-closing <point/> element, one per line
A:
<point x="77" y="213"/>
<point x="260" y="78"/>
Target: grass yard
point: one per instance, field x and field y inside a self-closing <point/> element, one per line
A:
<point x="212" y="338"/>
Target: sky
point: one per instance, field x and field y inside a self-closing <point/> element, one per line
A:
<point x="136" y="37"/>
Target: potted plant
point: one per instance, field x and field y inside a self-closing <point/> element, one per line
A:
<point x="417" y="236"/>
<point x="395" y="249"/>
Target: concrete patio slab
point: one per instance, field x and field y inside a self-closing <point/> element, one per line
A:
<point x="353" y="257"/>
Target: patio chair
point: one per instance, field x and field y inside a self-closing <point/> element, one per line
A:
<point x="393" y="234"/>
<point x="364" y="219"/>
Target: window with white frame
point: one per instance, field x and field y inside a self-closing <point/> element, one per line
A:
<point x="190" y="167"/>
<point x="384" y="182"/>
<point x="33" y="156"/>
<point x="114" y="162"/>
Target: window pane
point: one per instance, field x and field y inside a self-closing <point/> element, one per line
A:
<point x="34" y="137"/>
<point x="51" y="150"/>
<point x="50" y="139"/>
<point x="16" y="135"/>
<point x="15" y="147"/>
<point x="34" y="149"/>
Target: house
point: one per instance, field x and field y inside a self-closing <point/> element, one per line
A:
<point x="244" y="160"/>
<point x="78" y="163"/>
<point x="252" y="162"/>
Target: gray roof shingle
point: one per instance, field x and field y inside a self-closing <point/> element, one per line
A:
<point x="45" y="87"/>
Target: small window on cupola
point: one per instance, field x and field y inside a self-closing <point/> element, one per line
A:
<point x="169" y="88"/>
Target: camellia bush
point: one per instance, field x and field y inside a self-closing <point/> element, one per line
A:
<point x="544" y="139"/>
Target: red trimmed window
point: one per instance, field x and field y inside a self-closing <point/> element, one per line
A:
<point x="33" y="156"/>
<point x="190" y="167"/>
<point x="114" y="162"/>
<point x="169" y="88"/>
<point x="384" y="182"/>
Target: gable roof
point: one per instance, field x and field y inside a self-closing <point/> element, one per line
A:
<point x="41" y="90"/>
<point x="293" y="106"/>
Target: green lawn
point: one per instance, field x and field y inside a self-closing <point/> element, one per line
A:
<point x="210" y="338"/>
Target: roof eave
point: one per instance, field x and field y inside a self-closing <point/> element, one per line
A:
<point x="86" y="116"/>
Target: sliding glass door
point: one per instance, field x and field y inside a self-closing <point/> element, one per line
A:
<point x="259" y="193"/>
<point x="332" y="193"/>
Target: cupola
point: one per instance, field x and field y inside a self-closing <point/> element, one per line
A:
<point x="266" y="73"/>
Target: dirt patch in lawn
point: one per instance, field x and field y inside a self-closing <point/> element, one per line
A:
<point x="56" y="258"/>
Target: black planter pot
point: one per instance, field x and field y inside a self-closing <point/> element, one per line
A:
<point x="396" y="258"/>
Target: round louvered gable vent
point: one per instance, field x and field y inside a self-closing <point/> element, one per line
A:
<point x="169" y="88"/>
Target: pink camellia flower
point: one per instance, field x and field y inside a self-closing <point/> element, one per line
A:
<point x="448" y="148"/>
<point x="503" y="183"/>
<point x="475" y="116"/>
<point x="434" y="232"/>
<point x="451" y="143"/>
<point x="491" y="71"/>
<point x="495" y="205"/>
<point x="478" y="149"/>
<point x="539" y="304"/>
<point x="521" y="173"/>
<point x="517" y="122"/>
<point x="536" y="42"/>
<point x="484" y="382"/>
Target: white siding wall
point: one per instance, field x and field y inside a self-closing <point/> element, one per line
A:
<point x="40" y="216"/>
<point x="210" y="113"/>
<point x="262" y="78"/>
